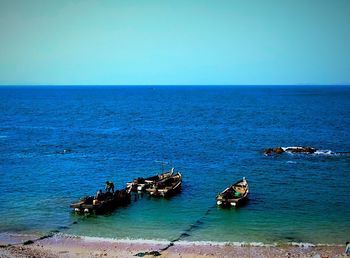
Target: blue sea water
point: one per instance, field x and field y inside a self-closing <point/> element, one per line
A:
<point x="213" y="135"/>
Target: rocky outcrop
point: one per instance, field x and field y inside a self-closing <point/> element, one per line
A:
<point x="280" y="150"/>
<point x="271" y="151"/>
<point x="309" y="150"/>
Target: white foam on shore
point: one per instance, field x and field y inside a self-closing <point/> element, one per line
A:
<point x="126" y="240"/>
<point x="188" y="243"/>
<point x="167" y="242"/>
<point x="214" y="243"/>
<point x="303" y="244"/>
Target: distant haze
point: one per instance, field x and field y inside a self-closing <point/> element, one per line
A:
<point x="182" y="42"/>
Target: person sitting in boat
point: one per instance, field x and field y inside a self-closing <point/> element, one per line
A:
<point x="98" y="194"/>
<point x="109" y="187"/>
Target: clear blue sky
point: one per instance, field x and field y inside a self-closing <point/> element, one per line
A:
<point x="186" y="42"/>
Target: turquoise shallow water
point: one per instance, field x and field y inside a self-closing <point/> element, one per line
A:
<point x="213" y="135"/>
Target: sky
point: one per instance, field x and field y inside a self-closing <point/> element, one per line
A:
<point x="174" y="42"/>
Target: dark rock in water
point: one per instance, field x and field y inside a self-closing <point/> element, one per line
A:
<point x="280" y="150"/>
<point x="270" y="151"/>
<point x="28" y="242"/>
<point x="309" y="150"/>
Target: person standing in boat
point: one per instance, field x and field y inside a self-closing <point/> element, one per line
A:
<point x="109" y="187"/>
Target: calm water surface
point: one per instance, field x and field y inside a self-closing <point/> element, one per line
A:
<point x="214" y="135"/>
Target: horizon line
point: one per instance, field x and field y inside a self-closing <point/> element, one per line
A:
<point x="167" y="85"/>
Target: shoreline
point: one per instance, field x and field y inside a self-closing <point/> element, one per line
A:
<point x="61" y="245"/>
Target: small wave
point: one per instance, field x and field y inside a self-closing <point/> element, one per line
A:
<point x="3" y="136"/>
<point x="243" y="244"/>
<point x="302" y="244"/>
<point x="161" y="241"/>
<point x="317" y="152"/>
<point x="289" y="148"/>
<point x="125" y="240"/>
<point x="292" y="147"/>
<point x="187" y="243"/>
<point x="214" y="243"/>
<point x="325" y="152"/>
<point x="291" y="162"/>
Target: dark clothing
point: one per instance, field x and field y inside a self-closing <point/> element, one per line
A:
<point x="109" y="187"/>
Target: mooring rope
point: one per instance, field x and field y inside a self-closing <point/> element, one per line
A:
<point x="183" y="235"/>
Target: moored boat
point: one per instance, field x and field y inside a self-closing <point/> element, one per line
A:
<point x="141" y="184"/>
<point x="166" y="187"/>
<point x="104" y="203"/>
<point x="234" y="195"/>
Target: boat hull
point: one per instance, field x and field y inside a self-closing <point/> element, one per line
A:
<point x="108" y="204"/>
<point x="234" y="196"/>
<point x="166" y="194"/>
<point x="167" y="187"/>
<point x="232" y="203"/>
<point x="142" y="184"/>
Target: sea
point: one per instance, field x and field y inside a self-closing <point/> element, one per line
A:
<point x="61" y="143"/>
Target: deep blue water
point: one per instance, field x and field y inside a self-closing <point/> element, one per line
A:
<point x="213" y="135"/>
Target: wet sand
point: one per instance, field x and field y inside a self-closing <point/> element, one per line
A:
<point x="69" y="246"/>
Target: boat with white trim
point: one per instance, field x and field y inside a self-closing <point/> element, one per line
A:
<point x="166" y="187"/>
<point x="141" y="184"/>
<point x="234" y="195"/>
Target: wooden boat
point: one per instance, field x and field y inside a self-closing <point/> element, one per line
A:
<point x="166" y="187"/>
<point x="234" y="195"/>
<point x="104" y="203"/>
<point x="141" y="184"/>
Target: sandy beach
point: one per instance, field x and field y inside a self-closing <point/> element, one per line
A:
<point x="15" y="245"/>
